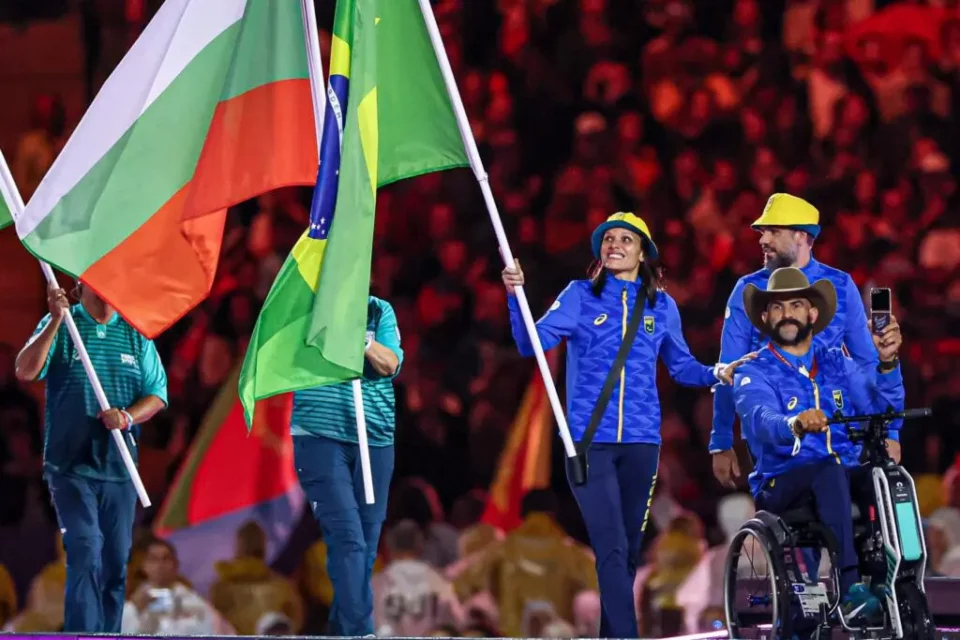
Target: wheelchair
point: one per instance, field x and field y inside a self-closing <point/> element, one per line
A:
<point x="766" y="594"/>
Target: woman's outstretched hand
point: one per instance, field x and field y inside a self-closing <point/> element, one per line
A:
<point x="512" y="277"/>
<point x="725" y="372"/>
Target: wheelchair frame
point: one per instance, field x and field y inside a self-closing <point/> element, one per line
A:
<point x="903" y="547"/>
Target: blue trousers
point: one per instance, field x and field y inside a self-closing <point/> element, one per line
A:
<point x="827" y="485"/>
<point x="96" y="521"/>
<point x="330" y="476"/>
<point x="614" y="503"/>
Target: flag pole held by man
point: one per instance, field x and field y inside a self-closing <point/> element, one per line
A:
<point x="388" y="118"/>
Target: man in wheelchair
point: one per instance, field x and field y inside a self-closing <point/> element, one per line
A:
<point x="783" y="398"/>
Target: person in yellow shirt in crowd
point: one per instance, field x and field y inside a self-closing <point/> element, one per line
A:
<point x="44" y="607"/>
<point x="675" y="555"/>
<point x="8" y="596"/>
<point x="246" y="587"/>
<point x="315" y="585"/>
<point x="472" y="543"/>
<point x="536" y="561"/>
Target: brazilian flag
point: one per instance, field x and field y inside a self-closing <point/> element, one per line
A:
<point x="388" y="117"/>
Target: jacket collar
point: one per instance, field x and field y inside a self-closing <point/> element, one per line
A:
<point x="613" y="285"/>
<point x="805" y="361"/>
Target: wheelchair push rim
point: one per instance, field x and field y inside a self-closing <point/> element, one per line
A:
<point x="772" y="592"/>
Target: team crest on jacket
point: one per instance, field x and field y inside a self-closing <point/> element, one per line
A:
<point x="600" y="319"/>
<point x="648" y="324"/>
<point x="792" y="403"/>
<point x="838" y="398"/>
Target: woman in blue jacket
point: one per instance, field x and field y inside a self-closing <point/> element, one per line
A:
<point x="592" y="315"/>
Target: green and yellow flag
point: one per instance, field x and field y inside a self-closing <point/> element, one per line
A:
<point x="388" y="117"/>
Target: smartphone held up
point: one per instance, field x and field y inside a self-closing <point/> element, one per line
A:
<point x="881" y="306"/>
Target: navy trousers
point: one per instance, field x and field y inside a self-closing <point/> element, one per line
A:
<point x="827" y="485"/>
<point x="330" y="476"/>
<point x="96" y="521"/>
<point x="614" y="503"/>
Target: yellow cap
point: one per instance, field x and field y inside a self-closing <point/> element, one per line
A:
<point x="785" y="210"/>
<point x="625" y="220"/>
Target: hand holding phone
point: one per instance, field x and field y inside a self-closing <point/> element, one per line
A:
<point x="161" y="601"/>
<point x="881" y="306"/>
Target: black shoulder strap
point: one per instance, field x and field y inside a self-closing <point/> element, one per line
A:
<point x="607" y="390"/>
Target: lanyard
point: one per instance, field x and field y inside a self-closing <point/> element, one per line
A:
<point x="802" y="370"/>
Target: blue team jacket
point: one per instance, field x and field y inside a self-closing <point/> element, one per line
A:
<point x="848" y="329"/>
<point x="769" y="391"/>
<point x="594" y="328"/>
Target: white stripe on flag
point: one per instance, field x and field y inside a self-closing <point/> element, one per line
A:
<point x="178" y="32"/>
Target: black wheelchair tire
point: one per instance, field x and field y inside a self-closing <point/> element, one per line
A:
<point x="780" y="591"/>
<point x="915" y="613"/>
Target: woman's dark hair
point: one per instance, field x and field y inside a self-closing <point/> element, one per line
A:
<point x="651" y="277"/>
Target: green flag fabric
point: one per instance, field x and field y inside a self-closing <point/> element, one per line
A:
<point x="388" y="117"/>
<point x="5" y="218"/>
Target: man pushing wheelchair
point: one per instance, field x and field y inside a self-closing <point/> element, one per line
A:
<point x="785" y="398"/>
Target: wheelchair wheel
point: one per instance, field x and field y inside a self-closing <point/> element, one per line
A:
<point x="915" y="613"/>
<point x="756" y="595"/>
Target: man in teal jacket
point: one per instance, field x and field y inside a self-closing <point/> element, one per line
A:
<point x="327" y="459"/>
<point x="783" y="398"/>
<point x="92" y="493"/>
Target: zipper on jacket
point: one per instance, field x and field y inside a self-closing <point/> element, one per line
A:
<point x="623" y="371"/>
<point x="816" y="400"/>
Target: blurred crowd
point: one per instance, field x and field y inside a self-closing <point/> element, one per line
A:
<point x="690" y="114"/>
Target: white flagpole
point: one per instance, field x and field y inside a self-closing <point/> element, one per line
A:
<point x="12" y="196"/>
<point x="319" y="109"/>
<point x="477" y="165"/>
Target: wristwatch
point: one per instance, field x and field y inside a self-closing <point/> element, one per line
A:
<point x="885" y="367"/>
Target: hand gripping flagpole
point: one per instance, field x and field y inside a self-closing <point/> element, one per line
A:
<point x="477" y="165"/>
<point x="315" y="68"/>
<point x="12" y="196"/>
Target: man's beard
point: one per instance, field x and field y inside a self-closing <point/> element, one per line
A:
<point x="778" y="261"/>
<point x="802" y="332"/>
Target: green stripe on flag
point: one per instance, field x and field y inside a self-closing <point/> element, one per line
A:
<point x="5" y="218"/>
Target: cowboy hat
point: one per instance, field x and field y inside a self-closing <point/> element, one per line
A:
<point x="790" y="212"/>
<point x="788" y="283"/>
<point x="630" y="222"/>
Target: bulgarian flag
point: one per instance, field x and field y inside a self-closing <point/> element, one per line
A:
<point x="5" y="218"/>
<point x="229" y="478"/>
<point x="211" y="106"/>
<point x="525" y="462"/>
